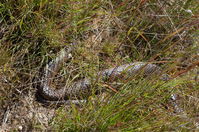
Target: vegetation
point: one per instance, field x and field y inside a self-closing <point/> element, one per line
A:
<point x="106" y="33"/>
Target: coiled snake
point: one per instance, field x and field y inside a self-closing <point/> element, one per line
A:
<point x="83" y="87"/>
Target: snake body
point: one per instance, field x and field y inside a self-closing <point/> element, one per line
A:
<point x="82" y="87"/>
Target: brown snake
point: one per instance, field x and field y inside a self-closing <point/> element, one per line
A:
<point x="83" y="87"/>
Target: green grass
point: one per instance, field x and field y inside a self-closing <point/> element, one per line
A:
<point x="136" y="107"/>
<point x="107" y="33"/>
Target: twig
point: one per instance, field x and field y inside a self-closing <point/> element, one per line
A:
<point x="106" y="85"/>
<point x="193" y="65"/>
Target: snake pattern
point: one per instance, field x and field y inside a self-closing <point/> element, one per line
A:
<point x="82" y="88"/>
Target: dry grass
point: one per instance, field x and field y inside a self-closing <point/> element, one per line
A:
<point x="107" y="33"/>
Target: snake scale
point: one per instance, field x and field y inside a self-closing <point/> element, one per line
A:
<point x="83" y="87"/>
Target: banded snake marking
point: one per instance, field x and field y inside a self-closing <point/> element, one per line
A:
<point x="82" y="87"/>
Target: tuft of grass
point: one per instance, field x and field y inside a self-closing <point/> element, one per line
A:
<point x="138" y="106"/>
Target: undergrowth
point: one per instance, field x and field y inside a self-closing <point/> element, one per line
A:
<point x="106" y="33"/>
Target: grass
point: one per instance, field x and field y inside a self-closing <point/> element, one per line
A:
<point x="107" y="33"/>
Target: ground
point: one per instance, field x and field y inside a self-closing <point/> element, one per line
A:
<point x="106" y="33"/>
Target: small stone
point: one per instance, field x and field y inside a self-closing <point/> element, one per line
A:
<point x="70" y="55"/>
<point x="20" y="128"/>
<point x="189" y="11"/>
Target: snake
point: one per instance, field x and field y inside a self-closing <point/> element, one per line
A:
<point x="83" y="88"/>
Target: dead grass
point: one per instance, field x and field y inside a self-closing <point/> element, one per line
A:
<point x="107" y="33"/>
